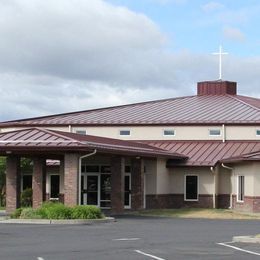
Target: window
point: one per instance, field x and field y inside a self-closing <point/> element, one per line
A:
<point x="168" y="132"/>
<point x="191" y="187"/>
<point x="214" y="132"/>
<point x="81" y="132"/>
<point x="54" y="186"/>
<point x="124" y="132"/>
<point x="257" y="132"/>
<point x="27" y="182"/>
<point x="92" y="168"/>
<point x="240" y="188"/>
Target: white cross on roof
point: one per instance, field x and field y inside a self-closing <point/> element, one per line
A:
<point x="220" y="53"/>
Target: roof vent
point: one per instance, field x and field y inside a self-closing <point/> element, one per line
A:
<point x="217" y="87"/>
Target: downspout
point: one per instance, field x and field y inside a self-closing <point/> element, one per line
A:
<point x="231" y="181"/>
<point x="79" y="180"/>
<point x="214" y="190"/>
<point x="223" y="133"/>
<point x="70" y="129"/>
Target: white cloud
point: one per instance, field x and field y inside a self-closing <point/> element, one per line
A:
<point x="212" y="6"/>
<point x="63" y="55"/>
<point x="233" y="34"/>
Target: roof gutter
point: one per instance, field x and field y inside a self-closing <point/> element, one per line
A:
<point x="231" y="186"/>
<point x="79" y="179"/>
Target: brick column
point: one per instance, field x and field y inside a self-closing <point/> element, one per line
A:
<point x="13" y="183"/>
<point x="117" y="184"/>
<point x="71" y="191"/>
<point x="39" y="181"/>
<point x="137" y="178"/>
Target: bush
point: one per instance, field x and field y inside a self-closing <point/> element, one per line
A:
<point x="26" y="197"/>
<point x="86" y="212"/>
<point x="29" y="213"/>
<point x="54" y="210"/>
<point x="16" y="213"/>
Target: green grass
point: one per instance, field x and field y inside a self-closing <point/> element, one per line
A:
<point x="2" y="208"/>
<point x="199" y="213"/>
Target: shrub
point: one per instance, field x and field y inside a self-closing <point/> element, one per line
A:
<point x="26" y="197"/>
<point x="54" y="210"/>
<point x="86" y="212"/>
<point x="16" y="213"/>
<point x="29" y="213"/>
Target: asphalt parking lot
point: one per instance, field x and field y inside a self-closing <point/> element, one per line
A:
<point x="129" y="238"/>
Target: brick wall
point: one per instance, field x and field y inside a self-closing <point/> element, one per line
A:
<point x="250" y="204"/>
<point x="137" y="191"/>
<point x="117" y="184"/>
<point x="12" y="183"/>
<point x="38" y="181"/>
<point x="71" y="164"/>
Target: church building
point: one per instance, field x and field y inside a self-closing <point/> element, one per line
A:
<point x="192" y="151"/>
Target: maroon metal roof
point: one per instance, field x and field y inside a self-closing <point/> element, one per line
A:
<point x="205" y="109"/>
<point x="255" y="156"/>
<point x="206" y="153"/>
<point x="35" y="139"/>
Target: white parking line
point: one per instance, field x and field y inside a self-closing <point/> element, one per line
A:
<point x="40" y="258"/>
<point x="239" y="249"/>
<point x="126" y="239"/>
<point x="152" y="256"/>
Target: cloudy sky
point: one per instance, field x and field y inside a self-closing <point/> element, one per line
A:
<point x="66" y="55"/>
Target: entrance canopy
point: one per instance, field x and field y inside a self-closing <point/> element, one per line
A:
<point x="42" y="141"/>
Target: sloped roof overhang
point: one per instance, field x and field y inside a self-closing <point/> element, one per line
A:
<point x="37" y="140"/>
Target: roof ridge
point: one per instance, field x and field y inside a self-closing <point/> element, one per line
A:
<point x="236" y="97"/>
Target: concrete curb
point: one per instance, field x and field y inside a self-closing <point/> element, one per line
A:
<point x="58" y="221"/>
<point x="246" y="239"/>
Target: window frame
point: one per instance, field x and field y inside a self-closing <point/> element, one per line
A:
<point x="121" y="130"/>
<point x="169" y="135"/>
<point x="80" y="130"/>
<point x="215" y="129"/>
<point x="185" y="181"/>
<point x="257" y="130"/>
<point x="240" y="194"/>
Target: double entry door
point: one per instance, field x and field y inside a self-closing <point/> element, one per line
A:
<point x="96" y="190"/>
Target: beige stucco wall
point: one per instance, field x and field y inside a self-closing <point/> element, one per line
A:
<point x="252" y="180"/>
<point x="224" y="179"/>
<point x="172" y="180"/>
<point x="156" y="132"/>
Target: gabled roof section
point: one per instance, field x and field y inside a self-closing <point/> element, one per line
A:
<point x="206" y="153"/>
<point x="194" y="110"/>
<point x="36" y="139"/>
<point x="255" y="156"/>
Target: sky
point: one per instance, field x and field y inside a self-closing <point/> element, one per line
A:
<point x="70" y="55"/>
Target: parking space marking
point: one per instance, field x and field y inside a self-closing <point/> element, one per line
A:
<point x="126" y="239"/>
<point x="152" y="256"/>
<point x="239" y="249"/>
<point x="40" y="258"/>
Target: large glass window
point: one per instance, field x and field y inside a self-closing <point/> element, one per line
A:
<point x="241" y="190"/>
<point x="191" y="187"/>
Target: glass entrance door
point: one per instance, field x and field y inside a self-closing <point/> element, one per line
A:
<point x="105" y="191"/>
<point x="92" y="190"/>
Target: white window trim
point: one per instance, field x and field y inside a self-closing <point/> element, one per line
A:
<point x="169" y="129"/>
<point x="80" y="129"/>
<point x="130" y="195"/>
<point x="256" y="132"/>
<point x="220" y="132"/>
<point x="119" y="132"/>
<point x="238" y="200"/>
<point x="197" y="187"/>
